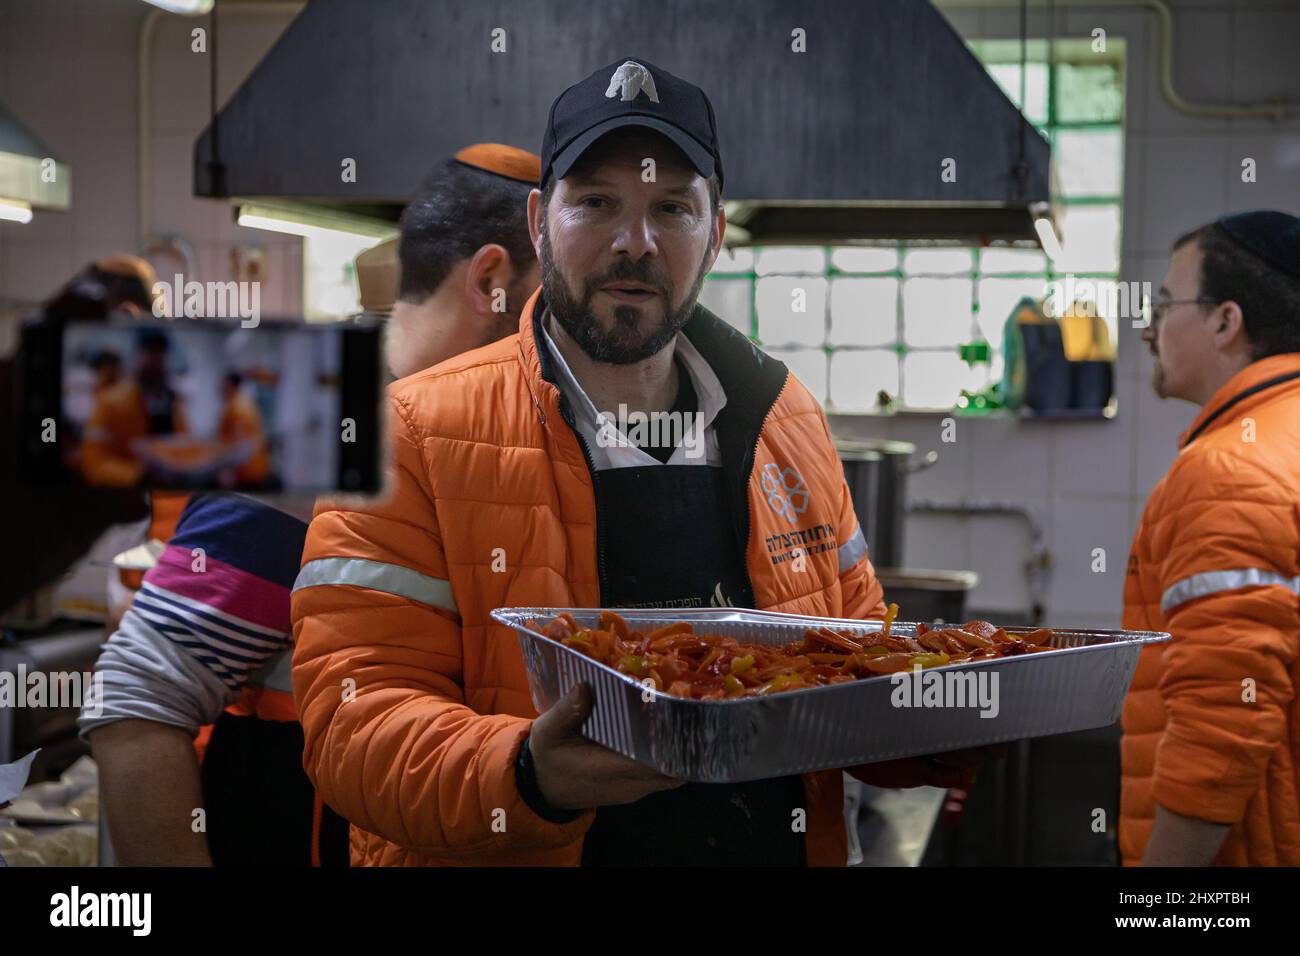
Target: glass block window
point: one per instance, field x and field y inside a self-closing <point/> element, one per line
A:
<point x="913" y="326"/>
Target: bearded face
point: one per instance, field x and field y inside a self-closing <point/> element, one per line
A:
<point x="625" y="241"/>
<point x="634" y="331"/>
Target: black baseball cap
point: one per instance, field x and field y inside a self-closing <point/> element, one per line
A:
<point x="630" y="92"/>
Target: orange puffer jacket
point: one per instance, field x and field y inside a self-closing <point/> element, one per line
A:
<point x="391" y="607"/>
<point x="118" y="420"/>
<point x="1212" y="723"/>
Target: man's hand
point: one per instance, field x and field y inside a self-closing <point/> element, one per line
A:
<point x="956" y="768"/>
<point x="575" y="774"/>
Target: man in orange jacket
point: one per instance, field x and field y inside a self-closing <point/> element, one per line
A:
<point x="241" y="424"/>
<point x="129" y="411"/>
<point x="1211" y="747"/>
<point x="507" y="490"/>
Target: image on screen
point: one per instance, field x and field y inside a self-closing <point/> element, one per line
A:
<point x="205" y="406"/>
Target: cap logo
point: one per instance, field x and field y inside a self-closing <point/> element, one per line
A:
<point x="629" y="80"/>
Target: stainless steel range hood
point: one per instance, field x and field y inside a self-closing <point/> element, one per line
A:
<point x="846" y="141"/>
<point x="29" y="172"/>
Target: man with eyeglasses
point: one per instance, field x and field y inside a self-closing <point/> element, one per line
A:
<point x="1211" y="747"/>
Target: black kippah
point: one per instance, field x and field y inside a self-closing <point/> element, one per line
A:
<point x="1271" y="235"/>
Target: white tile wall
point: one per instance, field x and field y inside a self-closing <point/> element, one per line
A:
<point x="175" y="208"/>
<point x="105" y="69"/>
<point x="937" y="541"/>
<point x="1081" y="525"/>
<point x="68" y="68"/>
<point x="104" y="183"/>
<point x="180" y="104"/>
<point x="1160" y="422"/>
<point x="1277" y="167"/>
<point x="1262" y="48"/>
<point x="35" y="268"/>
<point x="1129" y="345"/>
<point x="1009" y="459"/>
<point x="1093" y="457"/>
<point x="999" y="547"/>
<point x="1186" y="184"/>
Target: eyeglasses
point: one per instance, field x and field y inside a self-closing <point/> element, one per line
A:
<point x="1160" y="309"/>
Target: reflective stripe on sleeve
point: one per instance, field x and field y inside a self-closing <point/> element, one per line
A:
<point x="1212" y="582"/>
<point x="853" y="550"/>
<point x="377" y="576"/>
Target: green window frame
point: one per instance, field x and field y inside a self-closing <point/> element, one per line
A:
<point x="1093" y="86"/>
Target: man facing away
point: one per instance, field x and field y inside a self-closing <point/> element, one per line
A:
<point x="1211" y="746"/>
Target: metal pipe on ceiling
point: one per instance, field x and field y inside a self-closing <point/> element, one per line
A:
<point x="1274" y="109"/>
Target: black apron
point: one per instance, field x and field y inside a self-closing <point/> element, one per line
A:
<point x="160" y="408"/>
<point x="668" y="542"/>
<point x="259" y="801"/>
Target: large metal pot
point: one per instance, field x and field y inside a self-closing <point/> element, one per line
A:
<point x="876" y="472"/>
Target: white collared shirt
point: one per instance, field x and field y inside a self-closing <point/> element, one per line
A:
<point x="608" y="442"/>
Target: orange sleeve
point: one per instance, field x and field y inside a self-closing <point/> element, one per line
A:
<point x="1226" y="682"/>
<point x="377" y="675"/>
<point x="1137" y="606"/>
<point x="101" y="466"/>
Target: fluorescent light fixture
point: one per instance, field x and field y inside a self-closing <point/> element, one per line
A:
<point x="271" y="224"/>
<point x="311" y="221"/>
<point x="1047" y="236"/>
<point x="15" y="210"/>
<point x="188" y="8"/>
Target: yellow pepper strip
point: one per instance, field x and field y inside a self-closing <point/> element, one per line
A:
<point x="891" y="612"/>
<point x="633" y="665"/>
<point x="930" y="660"/>
<point x="741" y="664"/>
<point x="778" y="683"/>
<point x="732" y="684"/>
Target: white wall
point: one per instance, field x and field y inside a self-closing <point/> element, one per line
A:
<point x="1089" y="481"/>
<point x="68" y="69"/>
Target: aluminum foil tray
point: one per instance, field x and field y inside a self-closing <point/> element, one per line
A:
<point x="1077" y="686"/>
